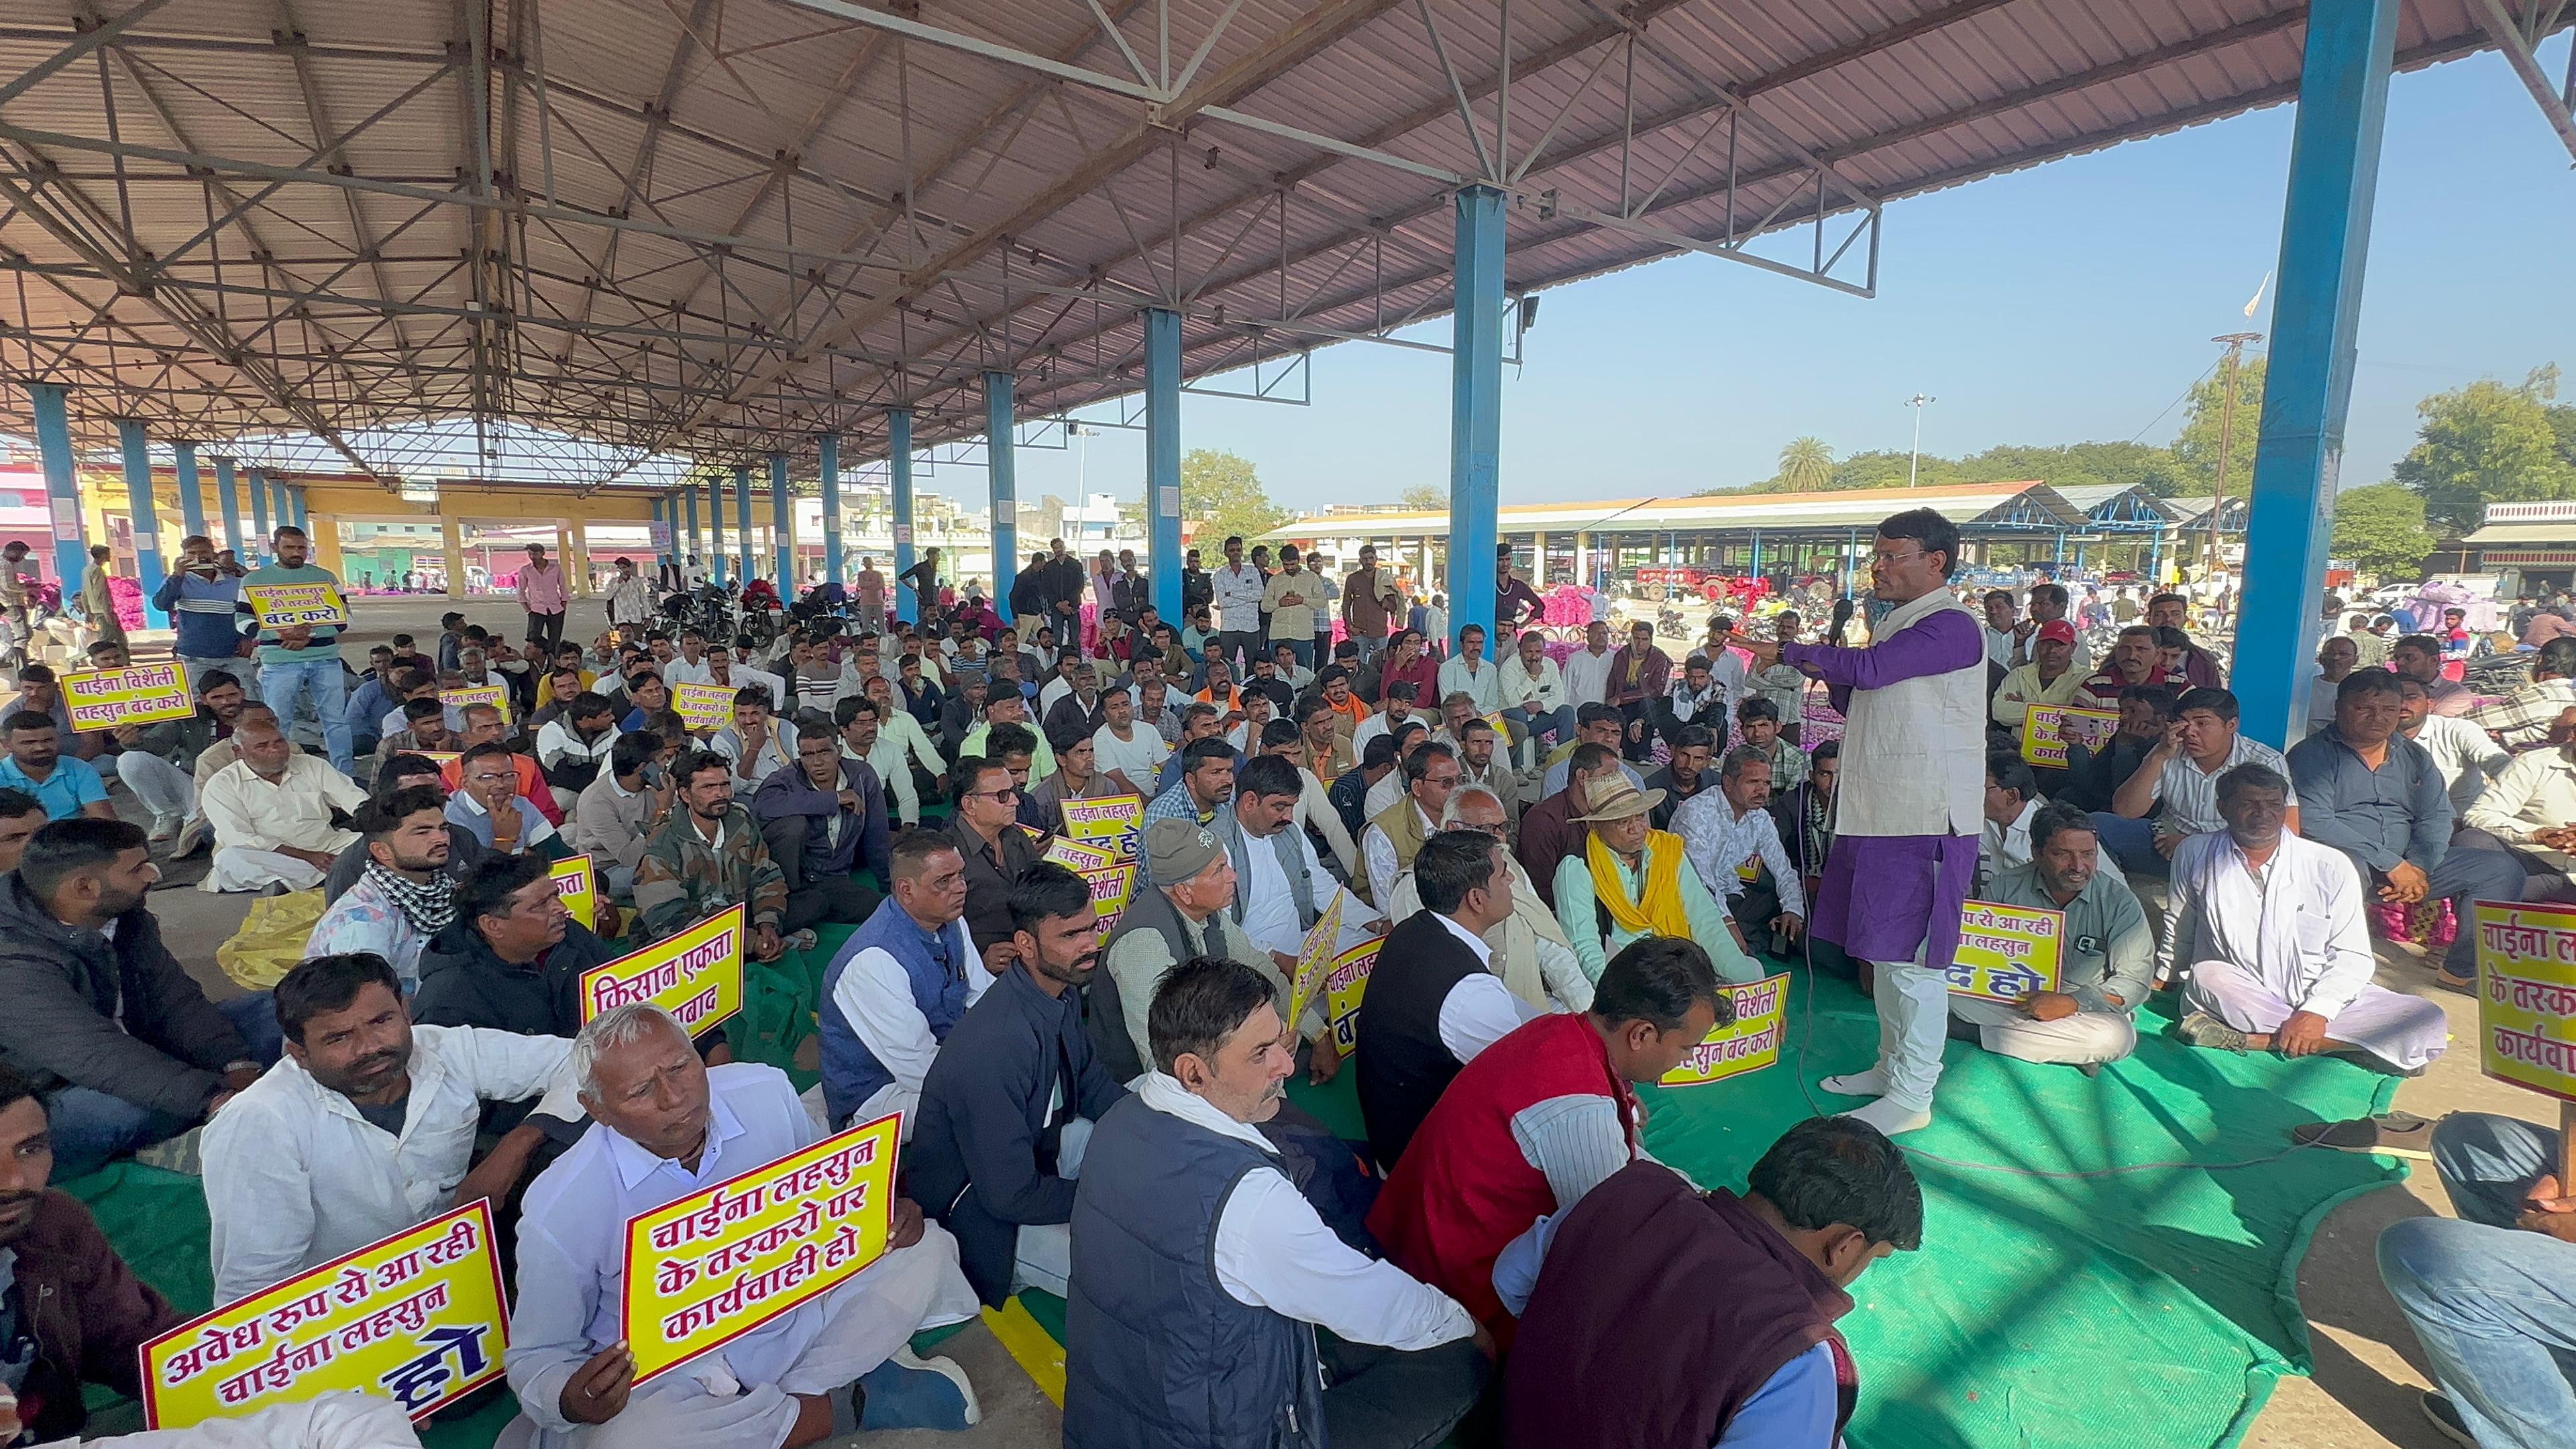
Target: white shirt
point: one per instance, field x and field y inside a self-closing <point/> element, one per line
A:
<point x="874" y="997"/>
<point x="1544" y="684"/>
<point x="2191" y="797"/>
<point x="557" y="742"/>
<point x="2299" y="931"/>
<point x="1377" y="852"/>
<point x="1138" y="757"/>
<point x="1388" y="789"/>
<point x="1238" y="597"/>
<point x="1587" y="677"/>
<point x="630" y="601"/>
<point x="295" y="1177"/>
<point x="680" y="671"/>
<point x="2536" y="792"/>
<point x="2466" y="755"/>
<point x="1717" y="842"/>
<point x="1273" y="1252"/>
<point x="2001" y="847"/>
<point x="886" y="757"/>
<point x="1479" y="1010"/>
<point x="1375" y="725"/>
<point x="1270" y="903"/>
<point x="248" y="811"/>
<point x="779" y="753"/>
<point x="1483" y="684"/>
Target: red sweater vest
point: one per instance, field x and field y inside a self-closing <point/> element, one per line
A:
<point x="1463" y="1190"/>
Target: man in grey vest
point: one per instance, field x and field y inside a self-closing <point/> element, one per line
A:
<point x="1280" y="885"/>
<point x="1185" y="912"/>
<point x="1200" y="1273"/>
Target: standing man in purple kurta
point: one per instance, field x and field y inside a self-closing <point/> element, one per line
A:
<point x="1908" y="807"/>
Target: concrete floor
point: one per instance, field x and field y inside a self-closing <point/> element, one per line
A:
<point x="2368" y="1367"/>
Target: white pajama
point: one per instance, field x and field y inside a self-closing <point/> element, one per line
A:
<point x="1913" y="1024"/>
<point x="242" y="868"/>
<point x="2086" y="1036"/>
<point x="1044" y="1255"/>
<point x="2404" y="1031"/>
<point x="162" y="787"/>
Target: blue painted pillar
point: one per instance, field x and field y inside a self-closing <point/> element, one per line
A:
<point x="259" y="544"/>
<point x="135" y="447"/>
<point x="295" y="504"/>
<point x="830" y="485"/>
<point x="280" y="513"/>
<point x="1475" y="409"/>
<point x="999" y="418"/>
<point x="1163" y="458"/>
<point x="782" y="527"/>
<point x="192" y="489"/>
<point x="687" y="544"/>
<point x="716" y="566"/>
<point x="228" y="497"/>
<point x="2316" y="311"/>
<point x="899" y="463"/>
<point x="742" y="521"/>
<point x="62" y="483"/>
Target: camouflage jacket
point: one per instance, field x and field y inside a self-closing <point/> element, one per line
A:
<point x="683" y="880"/>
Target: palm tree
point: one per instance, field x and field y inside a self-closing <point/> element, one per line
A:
<point x="1806" y="465"/>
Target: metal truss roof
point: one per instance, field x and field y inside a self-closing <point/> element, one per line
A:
<point x="717" y="228"/>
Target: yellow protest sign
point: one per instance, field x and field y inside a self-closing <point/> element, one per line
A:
<point x="491" y="694"/>
<point x="2527" y="995"/>
<point x="291" y="606"/>
<point x="695" y="975"/>
<point x="103" y="699"/>
<point x="2052" y="727"/>
<point x="1074" y="855"/>
<point x="2006" y="952"/>
<point x="579" y="885"/>
<point x="710" y="1267"/>
<point x="1315" y="959"/>
<point x="418" y="1317"/>
<point x="1344" y="985"/>
<point x="1748" y="1044"/>
<point x="704" y="706"/>
<point x="1113" y="821"/>
<point x="1111" y="888"/>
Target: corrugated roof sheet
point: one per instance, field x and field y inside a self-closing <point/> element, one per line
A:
<point x="1963" y="504"/>
<point x="729" y="225"/>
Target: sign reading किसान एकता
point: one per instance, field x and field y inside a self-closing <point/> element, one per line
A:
<point x="103" y="699"/>
<point x="705" y="1269"/>
<point x="1747" y="1044"/>
<point x="297" y="606"/>
<point x="417" y="1317"/>
<point x="695" y="975"/>
<point x="2006" y="952"/>
<point x="579" y="886"/>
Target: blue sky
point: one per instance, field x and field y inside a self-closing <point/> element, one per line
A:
<point x="2066" y="303"/>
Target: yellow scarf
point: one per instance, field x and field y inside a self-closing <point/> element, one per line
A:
<point x="1661" y="915"/>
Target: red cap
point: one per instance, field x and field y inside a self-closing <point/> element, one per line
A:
<point x="2059" y="630"/>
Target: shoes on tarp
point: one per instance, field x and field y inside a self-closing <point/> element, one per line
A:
<point x="907" y="1392"/>
<point x="2201" y="1029"/>
<point x="2391" y="1134"/>
<point x="2438" y="1408"/>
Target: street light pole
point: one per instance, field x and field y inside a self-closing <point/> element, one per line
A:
<point x="1915" y="461"/>
<point x="2234" y="342"/>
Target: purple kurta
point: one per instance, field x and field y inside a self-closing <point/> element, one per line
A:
<point x="1916" y="883"/>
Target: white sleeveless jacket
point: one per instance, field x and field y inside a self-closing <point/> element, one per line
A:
<point x="1914" y="752"/>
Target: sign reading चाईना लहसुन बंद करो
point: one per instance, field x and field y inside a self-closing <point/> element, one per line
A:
<point x="708" y="1268"/>
<point x="1344" y="984"/>
<point x="1747" y="1044"/>
<point x="1113" y="822"/>
<point x="103" y="699"/>
<point x="2006" y="952"/>
<point x="465" y="694"/>
<point x="417" y="1318"/>
<point x="2050" y="728"/>
<point x="2527" y="996"/>
<point x="297" y="606"/>
<point x="704" y="706"/>
<point x="1076" y="856"/>
<point x="695" y="975"/>
<point x="579" y="886"/>
<point x="1111" y="888"/>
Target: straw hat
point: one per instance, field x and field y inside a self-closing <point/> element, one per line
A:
<point x="1622" y="801"/>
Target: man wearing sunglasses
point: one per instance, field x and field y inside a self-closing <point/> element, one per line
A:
<point x="987" y="833"/>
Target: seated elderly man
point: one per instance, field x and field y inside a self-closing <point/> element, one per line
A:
<point x="486" y="725"/>
<point x="1629" y="881"/>
<point x="1530" y="952"/>
<point x="367" y="1128"/>
<point x="1539" y="1117"/>
<point x="487" y="805"/>
<point x="2105" y="967"/>
<point x="2530" y="812"/>
<point x="1181" y="909"/>
<point x="1434" y="1001"/>
<point x="1733" y="846"/>
<point x="1010" y="1103"/>
<point x="2270" y="926"/>
<point x="898" y="986"/>
<point x="1396" y="832"/>
<point x="1749" y="1355"/>
<point x="2370" y="792"/>
<point x="668" y="1126"/>
<point x="271" y="812"/>
<point x="158" y="761"/>
<point x="405" y="895"/>
<point x="120" y="1039"/>
<point x="1200" y="1272"/>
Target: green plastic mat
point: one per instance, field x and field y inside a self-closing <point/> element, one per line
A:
<point x="2042" y="1311"/>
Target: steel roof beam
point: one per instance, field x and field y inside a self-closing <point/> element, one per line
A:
<point x="2519" y="39"/>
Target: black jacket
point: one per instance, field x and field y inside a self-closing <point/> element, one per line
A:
<point x="66" y="990"/>
<point x="1032" y="591"/>
<point x="983" y="1160"/>
<point x="463" y="983"/>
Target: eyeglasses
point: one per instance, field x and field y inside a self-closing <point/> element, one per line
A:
<point x="1882" y="559"/>
<point x="1442" y="780"/>
<point x="1007" y="792"/>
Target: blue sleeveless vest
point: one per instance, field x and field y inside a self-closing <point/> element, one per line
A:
<point x="851" y="1072"/>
